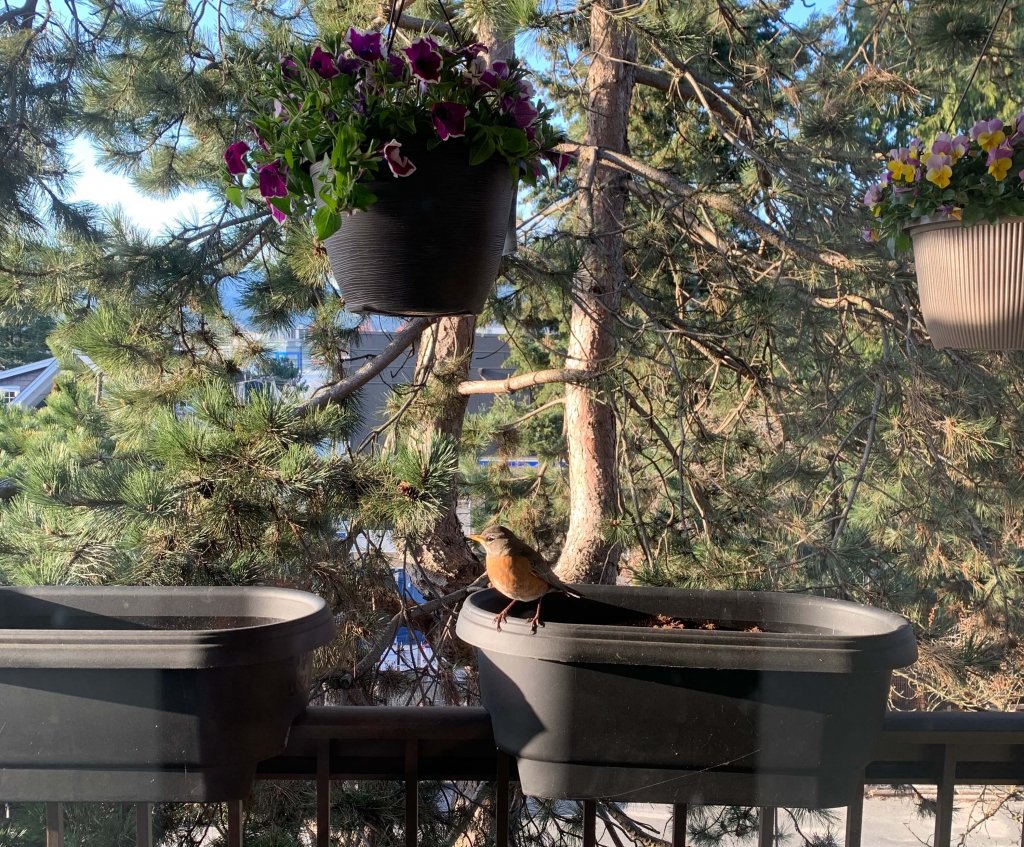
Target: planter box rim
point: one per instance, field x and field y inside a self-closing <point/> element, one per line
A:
<point x="882" y="640"/>
<point x="929" y="223"/>
<point x="283" y="621"/>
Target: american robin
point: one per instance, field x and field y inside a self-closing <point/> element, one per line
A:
<point x="517" y="571"/>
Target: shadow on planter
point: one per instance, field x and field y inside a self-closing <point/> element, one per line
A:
<point x="149" y="694"/>
<point x="596" y="708"/>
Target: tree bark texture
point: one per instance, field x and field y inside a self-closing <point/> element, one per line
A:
<point x="443" y="553"/>
<point x="589" y="554"/>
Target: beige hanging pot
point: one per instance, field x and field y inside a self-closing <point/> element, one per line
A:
<point x="971" y="282"/>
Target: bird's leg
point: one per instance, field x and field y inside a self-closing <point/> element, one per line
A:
<point x="535" y="620"/>
<point x="502" y="616"/>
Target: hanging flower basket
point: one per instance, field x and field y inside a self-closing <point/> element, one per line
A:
<point x="761" y="699"/>
<point x="971" y="282"/>
<point x="431" y="243"/>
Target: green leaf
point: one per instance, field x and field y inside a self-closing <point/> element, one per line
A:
<point x="481" y="152"/>
<point x="235" y="196"/>
<point x="362" y="197"/>
<point x="308" y="150"/>
<point x="513" y="141"/>
<point x="327" y="222"/>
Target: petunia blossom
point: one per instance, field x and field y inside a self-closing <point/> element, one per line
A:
<point x="272" y="180"/>
<point x="501" y="70"/>
<point x="234" y="158"/>
<point x="276" y="213"/>
<point x="560" y="160"/>
<point x="289" y="68"/>
<point x="366" y="46"/>
<point x="488" y="81"/>
<point x="323" y="63"/>
<point x="472" y="51"/>
<point x="399" y="164"/>
<point x="349" y="66"/>
<point x="449" y="120"/>
<point x="425" y="59"/>
<point x="396" y="66"/>
<point x="522" y="111"/>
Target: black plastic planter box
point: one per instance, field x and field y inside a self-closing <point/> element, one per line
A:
<point x="155" y="694"/>
<point x="595" y="708"/>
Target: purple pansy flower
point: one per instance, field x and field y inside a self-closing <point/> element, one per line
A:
<point x="425" y="59"/>
<point x="366" y="46"/>
<point x="399" y="164"/>
<point x="943" y="144"/>
<point x="521" y="111"/>
<point x="272" y="180"/>
<point x="1003" y="151"/>
<point x="873" y="196"/>
<point x="323" y="63"/>
<point x="234" y="158"/>
<point x="981" y="127"/>
<point x="869" y="235"/>
<point x="449" y="120"/>
<point x="276" y="213"/>
<point x="396" y="66"/>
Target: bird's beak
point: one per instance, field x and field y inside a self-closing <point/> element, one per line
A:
<point x="477" y="538"/>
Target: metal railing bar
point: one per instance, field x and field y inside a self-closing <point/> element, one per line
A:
<point x="54" y="825"/>
<point x="944" y="798"/>
<point x="766" y="827"/>
<point x="143" y="825"/>
<point x="502" y="802"/>
<point x="323" y="793"/>
<point x="235" y="823"/>
<point x="412" y="794"/>
<point x="855" y="817"/>
<point x="679" y="811"/>
<point x="589" y="823"/>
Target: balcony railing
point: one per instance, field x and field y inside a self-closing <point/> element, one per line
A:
<point x="328" y="744"/>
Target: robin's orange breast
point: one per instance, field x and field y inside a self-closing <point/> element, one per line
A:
<point x="513" y="577"/>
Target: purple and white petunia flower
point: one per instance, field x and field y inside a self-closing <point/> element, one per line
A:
<point x="289" y="68"/>
<point x="560" y="160"/>
<point x="501" y="70"/>
<point x="425" y="59"/>
<point x="449" y="120"/>
<point x="323" y="63"/>
<point x="349" y="66"/>
<point x="522" y="111"/>
<point x="272" y="180"/>
<point x="276" y="213"/>
<point x="396" y="66"/>
<point x="234" y="158"/>
<point x="366" y="46"/>
<point x="399" y="164"/>
<point x="472" y="51"/>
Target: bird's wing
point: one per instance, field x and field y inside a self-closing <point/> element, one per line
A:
<point x="542" y="570"/>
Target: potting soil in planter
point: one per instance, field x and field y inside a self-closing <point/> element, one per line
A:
<point x="780" y="704"/>
<point x="149" y="694"/>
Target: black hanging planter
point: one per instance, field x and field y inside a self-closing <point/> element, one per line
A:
<point x="431" y="243"/>
<point x="593" y="707"/>
<point x="149" y="694"/>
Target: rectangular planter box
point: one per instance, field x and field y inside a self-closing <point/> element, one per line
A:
<point x="593" y="708"/>
<point x="149" y="694"/>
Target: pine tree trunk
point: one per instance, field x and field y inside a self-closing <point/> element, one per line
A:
<point x="589" y="555"/>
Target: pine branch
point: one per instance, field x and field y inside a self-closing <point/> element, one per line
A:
<point x="527" y="380"/>
<point x="718" y="202"/>
<point x="338" y="391"/>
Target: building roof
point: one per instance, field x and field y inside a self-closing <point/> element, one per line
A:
<point x="33" y="381"/>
